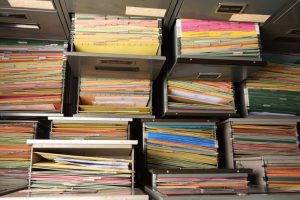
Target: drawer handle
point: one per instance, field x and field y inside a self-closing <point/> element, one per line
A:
<point x="116" y="62"/>
<point x="20" y="26"/>
<point x="13" y="15"/>
<point x="209" y="75"/>
<point x="118" y="69"/>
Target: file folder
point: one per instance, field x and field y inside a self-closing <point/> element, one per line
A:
<point x="116" y="35"/>
<point x="15" y="154"/>
<point x="283" y="173"/>
<point x="274" y="90"/>
<point x="114" y="96"/>
<point x="200" y="182"/>
<point x="82" y="166"/>
<point x="180" y="145"/>
<point x="200" y="96"/>
<point x="218" y="38"/>
<point x="32" y="76"/>
<point x="89" y="129"/>
<point x="255" y="137"/>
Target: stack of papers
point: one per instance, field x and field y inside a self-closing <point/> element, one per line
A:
<point x="31" y="75"/>
<point x="80" y="173"/>
<point x="275" y="89"/>
<point x="181" y="146"/>
<point x="218" y="38"/>
<point x="114" y="96"/>
<point x="257" y="139"/>
<point x="89" y="131"/>
<point x="283" y="175"/>
<point x="15" y="154"/>
<point x="116" y="35"/>
<point x="200" y="96"/>
<point x="206" y="184"/>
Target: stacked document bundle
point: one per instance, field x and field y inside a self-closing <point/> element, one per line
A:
<point x="15" y="154"/>
<point x="116" y="35"/>
<point x="89" y="131"/>
<point x="194" y="184"/>
<point x="181" y="146"/>
<point x="283" y="175"/>
<point x="218" y="38"/>
<point x="258" y="139"/>
<point x="200" y="96"/>
<point x="31" y="75"/>
<point x="68" y="173"/>
<point x="114" y="96"/>
<point x="275" y="89"/>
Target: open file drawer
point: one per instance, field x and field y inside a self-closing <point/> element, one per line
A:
<point x="32" y="77"/>
<point x="70" y="128"/>
<point x="234" y="126"/>
<point x="165" y="142"/>
<point x="247" y="142"/>
<point x="30" y="20"/>
<point x="15" y="153"/>
<point x="209" y="181"/>
<point x="117" y="70"/>
<point x="118" y="151"/>
<point x="233" y="68"/>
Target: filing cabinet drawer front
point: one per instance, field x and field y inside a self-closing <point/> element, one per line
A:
<point x="211" y="72"/>
<point x="28" y="4"/>
<point x="20" y="23"/>
<point x="208" y="9"/>
<point x="115" y="66"/>
<point x="113" y="7"/>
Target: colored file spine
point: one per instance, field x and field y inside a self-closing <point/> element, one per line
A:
<point x="114" y="96"/>
<point x="200" y="96"/>
<point x="180" y="146"/>
<point x="275" y="89"/>
<point x="15" y="154"/>
<point x="256" y="140"/>
<point x="218" y="38"/>
<point x="89" y="131"/>
<point x="31" y="76"/>
<point x="116" y="35"/>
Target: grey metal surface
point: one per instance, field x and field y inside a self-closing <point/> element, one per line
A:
<point x="112" y="7"/>
<point x="8" y="4"/>
<point x="227" y="72"/>
<point x="111" y="115"/>
<point x="28" y="114"/>
<point x="205" y="9"/>
<point x="283" y="30"/>
<point x="264" y="120"/>
<point x="154" y="195"/>
<point x="50" y="27"/>
<point x="115" y="66"/>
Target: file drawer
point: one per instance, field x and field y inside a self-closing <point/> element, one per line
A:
<point x="231" y="67"/>
<point x="115" y="7"/>
<point x="32" y="77"/>
<point x="171" y="144"/>
<point x="72" y="128"/>
<point x="117" y="157"/>
<point x="223" y="10"/>
<point x="96" y="69"/>
<point x="278" y="97"/>
<point x="15" y="154"/>
<point x="181" y="182"/>
<point x="253" y="142"/>
<point x="180" y="99"/>
<point x="31" y="24"/>
<point x="235" y="130"/>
